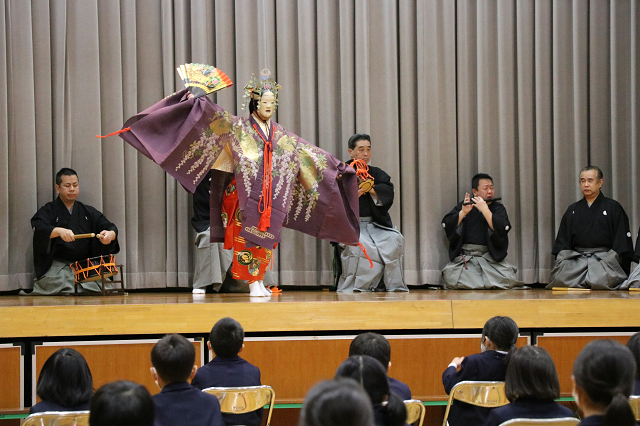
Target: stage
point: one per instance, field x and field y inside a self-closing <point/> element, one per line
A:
<point x="300" y="337"/>
<point x="310" y="311"/>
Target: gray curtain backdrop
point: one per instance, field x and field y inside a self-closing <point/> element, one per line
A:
<point x="528" y="91"/>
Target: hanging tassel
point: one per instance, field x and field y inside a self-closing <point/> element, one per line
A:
<point x="366" y="255"/>
<point x="362" y="169"/>
<point x="264" y="204"/>
<point x="126" y="129"/>
<point x="265" y="219"/>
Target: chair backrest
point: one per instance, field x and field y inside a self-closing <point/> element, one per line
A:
<point x="634" y="401"/>
<point x="482" y="394"/>
<point x="244" y="399"/>
<point x="415" y="411"/>
<point x="563" y="421"/>
<point x="58" y="418"/>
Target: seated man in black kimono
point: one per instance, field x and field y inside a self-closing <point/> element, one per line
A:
<point x="593" y="248"/>
<point x="478" y="241"/>
<point x="54" y="244"/>
<point x="383" y="242"/>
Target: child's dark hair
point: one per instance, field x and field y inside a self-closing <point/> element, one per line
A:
<point x="372" y="344"/>
<point x="503" y="332"/>
<point x="121" y="403"/>
<point x="226" y="337"/>
<point x="634" y="346"/>
<point x="372" y="376"/>
<point x="605" y="370"/>
<point x="339" y="402"/>
<point x="173" y="357"/>
<point x="532" y="374"/>
<point x="65" y="379"/>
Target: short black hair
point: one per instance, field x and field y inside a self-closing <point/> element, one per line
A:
<point x="634" y="346"/>
<point x="226" y="337"/>
<point x="353" y="140"/>
<point x="121" y="403"/>
<point x="338" y="402"/>
<point x="531" y="374"/>
<point x="65" y="171"/>
<point x="605" y="370"/>
<point x="475" y="181"/>
<point x="173" y="357"/>
<point x="373" y="344"/>
<point x="503" y="332"/>
<point x="65" y="379"/>
<point x="589" y="168"/>
<point x="372" y="376"/>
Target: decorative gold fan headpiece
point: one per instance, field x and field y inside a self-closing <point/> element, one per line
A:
<point x="255" y="87"/>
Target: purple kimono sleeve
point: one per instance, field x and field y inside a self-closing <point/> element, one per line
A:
<point x="166" y="130"/>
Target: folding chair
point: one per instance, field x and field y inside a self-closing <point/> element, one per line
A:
<point x="482" y="394"/>
<point x="415" y="411"/>
<point x="58" y="418"/>
<point x="634" y="401"/>
<point x="240" y="400"/>
<point x="563" y="421"/>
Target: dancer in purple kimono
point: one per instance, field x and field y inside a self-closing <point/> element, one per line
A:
<point x="282" y="180"/>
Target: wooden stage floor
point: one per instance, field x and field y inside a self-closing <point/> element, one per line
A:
<point x="310" y="311"/>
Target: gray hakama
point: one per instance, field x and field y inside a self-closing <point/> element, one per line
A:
<point x="475" y="269"/>
<point x="385" y="247"/>
<point x="594" y="268"/>
<point x="633" y="281"/>
<point x="634" y="277"/>
<point x="59" y="280"/>
<point x="212" y="264"/>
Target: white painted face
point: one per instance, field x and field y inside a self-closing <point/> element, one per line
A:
<point x="266" y="106"/>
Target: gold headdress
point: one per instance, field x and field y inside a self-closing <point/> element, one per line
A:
<point x="255" y="87"/>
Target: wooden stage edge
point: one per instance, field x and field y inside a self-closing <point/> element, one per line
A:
<point x="309" y="311"/>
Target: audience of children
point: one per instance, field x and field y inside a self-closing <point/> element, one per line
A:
<point x="338" y="402"/>
<point x="179" y="403"/>
<point x="64" y="383"/>
<point x="531" y="387"/>
<point x="362" y="394"/>
<point x="603" y="378"/>
<point x="377" y="346"/>
<point x="372" y="376"/>
<point x="499" y="337"/>
<point x="227" y="369"/>
<point x="121" y="403"/>
<point x="634" y="346"/>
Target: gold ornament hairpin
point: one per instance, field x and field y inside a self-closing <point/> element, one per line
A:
<point x="256" y="86"/>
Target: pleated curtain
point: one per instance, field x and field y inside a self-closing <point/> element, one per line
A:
<point x="529" y="91"/>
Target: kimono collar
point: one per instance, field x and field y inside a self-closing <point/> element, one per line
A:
<point x="599" y="200"/>
<point x="64" y="206"/>
<point x="264" y="126"/>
